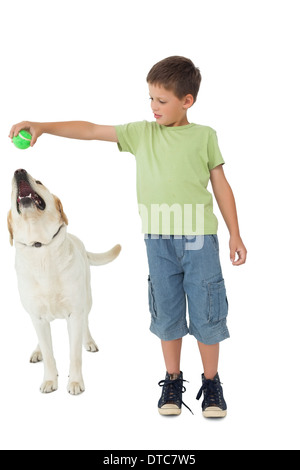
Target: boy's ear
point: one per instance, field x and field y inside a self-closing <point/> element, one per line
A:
<point x="60" y="209"/>
<point x="10" y="229"/>
<point x="188" y="101"/>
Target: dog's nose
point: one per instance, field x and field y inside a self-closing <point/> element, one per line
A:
<point x="21" y="175"/>
<point x="20" y="172"/>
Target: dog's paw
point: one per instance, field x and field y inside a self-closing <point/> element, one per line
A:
<point x="36" y="356"/>
<point x="75" y="388"/>
<point x="49" y="386"/>
<point x="91" y="346"/>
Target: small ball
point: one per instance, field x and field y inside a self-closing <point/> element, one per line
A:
<point x="22" y="140"/>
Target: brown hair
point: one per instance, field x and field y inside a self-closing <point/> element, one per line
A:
<point x="177" y="74"/>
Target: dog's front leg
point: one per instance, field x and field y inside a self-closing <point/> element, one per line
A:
<point x="75" y="328"/>
<point x="42" y="328"/>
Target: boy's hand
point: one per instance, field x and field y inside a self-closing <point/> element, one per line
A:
<point x="237" y="246"/>
<point x="34" y="128"/>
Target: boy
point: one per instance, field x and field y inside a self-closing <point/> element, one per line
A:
<point x="175" y="160"/>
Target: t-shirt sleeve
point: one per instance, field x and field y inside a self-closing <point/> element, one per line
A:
<point x="129" y="136"/>
<point x="214" y="154"/>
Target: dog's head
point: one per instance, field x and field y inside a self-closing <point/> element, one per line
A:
<point x="35" y="215"/>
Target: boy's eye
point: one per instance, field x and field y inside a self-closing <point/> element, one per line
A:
<point x="161" y="102"/>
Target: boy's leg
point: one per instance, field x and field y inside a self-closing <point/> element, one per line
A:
<point x="171" y="397"/>
<point x="205" y="289"/>
<point x="171" y="352"/>
<point x="214" y="405"/>
<point x="167" y="304"/>
<point x="210" y="359"/>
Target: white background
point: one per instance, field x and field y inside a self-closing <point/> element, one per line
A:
<point x="74" y="60"/>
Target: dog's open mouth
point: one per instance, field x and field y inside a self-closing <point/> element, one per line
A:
<point x="27" y="196"/>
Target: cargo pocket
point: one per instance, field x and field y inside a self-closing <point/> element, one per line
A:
<point x="217" y="301"/>
<point x="151" y="299"/>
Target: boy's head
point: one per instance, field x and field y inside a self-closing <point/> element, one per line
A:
<point x="176" y="74"/>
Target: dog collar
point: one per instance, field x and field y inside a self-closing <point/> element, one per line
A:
<point x="39" y="244"/>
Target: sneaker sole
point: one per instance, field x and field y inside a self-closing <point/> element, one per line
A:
<point x="214" y="412"/>
<point x="168" y="410"/>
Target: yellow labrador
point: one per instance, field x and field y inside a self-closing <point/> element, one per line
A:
<point x="53" y="271"/>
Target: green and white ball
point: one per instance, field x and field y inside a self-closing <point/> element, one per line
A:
<point x="22" y="140"/>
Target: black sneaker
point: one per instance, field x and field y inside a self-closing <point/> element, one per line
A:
<point x="214" y="405"/>
<point x="171" y="398"/>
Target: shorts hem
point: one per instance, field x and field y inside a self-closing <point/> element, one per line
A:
<point x="211" y="339"/>
<point x="169" y="336"/>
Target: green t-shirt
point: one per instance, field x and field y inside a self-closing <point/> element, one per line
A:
<point x="173" y="169"/>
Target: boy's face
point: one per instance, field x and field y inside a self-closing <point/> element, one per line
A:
<point x="167" y="108"/>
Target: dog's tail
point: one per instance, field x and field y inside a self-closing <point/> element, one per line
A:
<point x="97" y="259"/>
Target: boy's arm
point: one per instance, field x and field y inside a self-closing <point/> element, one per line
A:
<point x="72" y="129"/>
<point x="225" y="199"/>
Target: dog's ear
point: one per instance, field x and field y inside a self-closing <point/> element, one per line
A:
<point x="60" y="209"/>
<point x="10" y="229"/>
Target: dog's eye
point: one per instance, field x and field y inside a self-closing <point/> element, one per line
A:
<point x="38" y="182"/>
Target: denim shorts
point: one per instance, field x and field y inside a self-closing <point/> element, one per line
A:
<point x="186" y="270"/>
